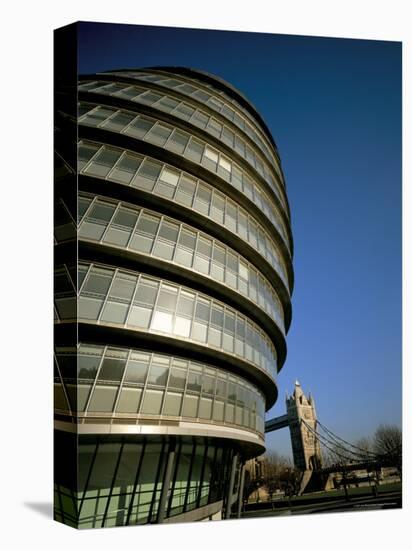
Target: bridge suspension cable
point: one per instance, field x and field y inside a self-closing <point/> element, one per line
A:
<point x="330" y="444"/>
<point x="363" y="452"/>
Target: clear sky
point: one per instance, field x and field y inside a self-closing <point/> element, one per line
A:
<point x="334" y="109"/>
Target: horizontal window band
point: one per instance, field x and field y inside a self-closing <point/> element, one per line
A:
<point x="153" y="266"/>
<point x="152" y="111"/>
<point x="194" y="77"/>
<point x="122" y="336"/>
<point x="245" y="439"/>
<point x="140" y="108"/>
<point x="188" y="215"/>
<point x="182" y="163"/>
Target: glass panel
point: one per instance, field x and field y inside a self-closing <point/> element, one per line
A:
<point x="152" y="402"/>
<point x="173" y="404"/>
<point x="103" y="399"/>
<point x="136" y="370"/>
<point x="129" y="400"/>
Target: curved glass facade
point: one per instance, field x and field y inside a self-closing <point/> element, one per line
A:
<point x="196" y="150"/>
<point x="163" y="180"/>
<point x="196" y="117"/>
<point x="145" y="232"/>
<point x="101" y="381"/>
<point x="173" y="275"/>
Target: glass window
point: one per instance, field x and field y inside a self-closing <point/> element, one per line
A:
<point x="205" y="408"/>
<point x="169" y="231"/>
<point x="136" y="370"/>
<point x="167" y="297"/>
<point x="139" y="127"/>
<point x="190" y="405"/>
<point x="112" y="369"/>
<point x="126" y="168"/>
<point x="146" y="231"/>
<point x="118" y="121"/>
<point x="186" y="190"/>
<point x="152" y="402"/>
<point x="103" y="398"/>
<point x="177" y="378"/>
<point x="186" y="303"/>
<point x="194" y="150"/>
<point x="162" y="321"/>
<point x="129" y="400"/>
<point x="85" y="152"/>
<point x="149" y="98"/>
<point x="182" y="326"/>
<point x="225" y="163"/>
<point x="98" y="281"/>
<point x="169" y="176"/>
<point x="125" y="218"/>
<point x="200" y="119"/>
<point x="167" y="104"/>
<point x="184" y="111"/>
<point x="114" y="312"/>
<point x="217" y="210"/>
<point x="214" y="127"/>
<point x="146" y="292"/>
<point x="202" y="310"/>
<point x="158" y="375"/>
<point x="203" y="199"/>
<point x="96" y="116"/>
<point x="177" y="141"/>
<point x="158" y="134"/>
<point x="173" y="404"/>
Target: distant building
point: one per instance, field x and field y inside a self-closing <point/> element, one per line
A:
<point x="167" y="359"/>
<point x="305" y="445"/>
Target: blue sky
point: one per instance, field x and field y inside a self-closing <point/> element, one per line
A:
<point x="334" y="109"/>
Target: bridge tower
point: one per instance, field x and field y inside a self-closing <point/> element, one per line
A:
<point x="305" y="446"/>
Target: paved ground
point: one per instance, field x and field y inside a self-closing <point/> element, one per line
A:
<point x="386" y="500"/>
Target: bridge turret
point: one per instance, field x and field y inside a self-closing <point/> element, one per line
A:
<point x="301" y="414"/>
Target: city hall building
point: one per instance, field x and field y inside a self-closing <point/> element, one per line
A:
<point x="173" y="276"/>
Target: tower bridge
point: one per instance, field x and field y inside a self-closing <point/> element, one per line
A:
<point x="307" y="440"/>
<point x="301" y="419"/>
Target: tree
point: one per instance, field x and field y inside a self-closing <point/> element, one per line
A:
<point x="387" y="444"/>
<point x="275" y="466"/>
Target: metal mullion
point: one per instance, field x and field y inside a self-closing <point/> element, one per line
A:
<point x="115" y="164"/>
<point x="86" y="213"/>
<point x="107" y="295"/>
<point x="134" y="294"/>
<point x="139" y="467"/>
<point x="86" y="407"/>
<point x="159" y="469"/>
<point x="177" y="241"/>
<point x="189" y="475"/>
<point x="68" y="212"/>
<point x="168" y="376"/>
<point x="212" y="477"/>
<point x="110" y="221"/>
<point x="157" y="231"/>
<point x="70" y="279"/>
<point x="85" y="277"/>
<point x="202" y="473"/>
<point x="109" y="117"/>
<point x="63" y="384"/>
<point x="172" y="489"/>
<point x="116" y="469"/>
<point x="144" y="388"/>
<point x="123" y="130"/>
<point x="120" y="387"/>
<point x="89" y="476"/>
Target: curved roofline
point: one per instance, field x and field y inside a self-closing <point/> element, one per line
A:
<point x="216" y="81"/>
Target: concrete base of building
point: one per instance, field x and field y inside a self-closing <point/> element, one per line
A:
<point x="205" y="513"/>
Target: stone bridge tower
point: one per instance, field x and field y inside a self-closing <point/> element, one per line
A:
<point x="305" y="446"/>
